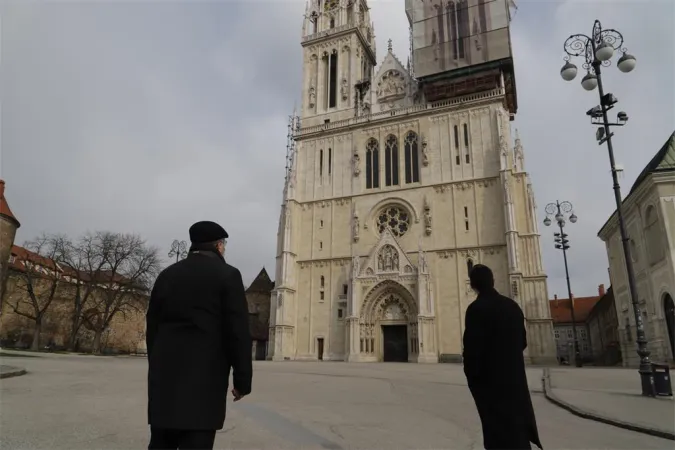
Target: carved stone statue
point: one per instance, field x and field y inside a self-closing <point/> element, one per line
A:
<point x="280" y="299"/>
<point x="507" y="191"/>
<point x="344" y="89"/>
<point x="355" y="266"/>
<point x="356" y="161"/>
<point x="355" y="227"/>
<point x="425" y="152"/>
<point x="427" y="218"/>
<point x="387" y="260"/>
<point x="312" y="96"/>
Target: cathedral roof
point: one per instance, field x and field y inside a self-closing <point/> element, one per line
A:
<point x="4" y="206"/>
<point x="261" y="283"/>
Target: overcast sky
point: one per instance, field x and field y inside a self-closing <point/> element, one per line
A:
<point x="145" y="117"/>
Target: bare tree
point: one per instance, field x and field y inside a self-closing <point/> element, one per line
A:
<point x="80" y="260"/>
<point x="40" y="277"/>
<point x="123" y="281"/>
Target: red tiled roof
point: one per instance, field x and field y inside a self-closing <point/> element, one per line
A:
<point x="4" y="206"/>
<point x="21" y="255"/>
<point x="561" y="312"/>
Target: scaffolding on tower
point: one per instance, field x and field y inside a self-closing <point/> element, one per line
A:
<point x="293" y="128"/>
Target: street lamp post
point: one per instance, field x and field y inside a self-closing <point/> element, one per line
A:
<point x="559" y="210"/>
<point x="597" y="51"/>
<point x="178" y="250"/>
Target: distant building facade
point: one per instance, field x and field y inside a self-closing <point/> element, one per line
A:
<point x="258" y="299"/>
<point x="649" y="213"/>
<point x="561" y="313"/>
<point x="8" y="226"/>
<point x="125" y="334"/>
<point x="603" y="328"/>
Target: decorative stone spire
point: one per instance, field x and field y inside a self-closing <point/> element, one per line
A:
<point x="389" y="48"/>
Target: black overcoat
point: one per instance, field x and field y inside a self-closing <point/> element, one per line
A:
<point x="197" y="329"/>
<point x="494" y="341"/>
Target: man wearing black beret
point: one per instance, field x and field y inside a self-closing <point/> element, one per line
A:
<point x="197" y="329"/>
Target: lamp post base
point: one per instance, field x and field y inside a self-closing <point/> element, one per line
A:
<point x="647" y="381"/>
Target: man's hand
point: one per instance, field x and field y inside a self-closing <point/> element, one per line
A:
<point x="237" y="396"/>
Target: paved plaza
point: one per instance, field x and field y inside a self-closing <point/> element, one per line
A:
<point x="86" y="402"/>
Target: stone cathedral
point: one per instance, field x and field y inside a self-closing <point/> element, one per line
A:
<point x="395" y="187"/>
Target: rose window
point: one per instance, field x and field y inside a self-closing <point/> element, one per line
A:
<point x="395" y="219"/>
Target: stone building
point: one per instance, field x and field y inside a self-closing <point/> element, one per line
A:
<point x="561" y="313"/>
<point x="649" y="214"/>
<point x="603" y="329"/>
<point x="8" y="226"/>
<point x="126" y="333"/>
<point x="391" y="196"/>
<point x="258" y="299"/>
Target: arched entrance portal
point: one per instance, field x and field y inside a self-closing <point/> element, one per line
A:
<point x="388" y="324"/>
<point x="669" y="310"/>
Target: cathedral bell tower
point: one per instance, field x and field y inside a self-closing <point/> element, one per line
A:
<point x="338" y="42"/>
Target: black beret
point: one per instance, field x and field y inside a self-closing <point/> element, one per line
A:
<point x="206" y="231"/>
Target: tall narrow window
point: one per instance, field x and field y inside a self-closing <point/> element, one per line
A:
<point x="412" y="163"/>
<point x="466" y="218"/>
<point x="469" y="265"/>
<point x="345" y="289"/>
<point x="372" y="164"/>
<point x="320" y="245"/>
<point x="323" y="282"/>
<point x="391" y="161"/>
<point x="466" y="143"/>
<point x="330" y="160"/>
<point x="322" y="296"/>
<point x="456" y="135"/>
<point x="332" y="77"/>
<point x="326" y="75"/>
<point x="321" y="163"/>
<point x="332" y="22"/>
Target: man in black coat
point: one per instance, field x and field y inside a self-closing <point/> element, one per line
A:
<point x="494" y="341"/>
<point x="197" y="329"/>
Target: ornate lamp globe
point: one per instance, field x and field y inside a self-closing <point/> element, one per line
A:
<point x="573" y="218"/>
<point x="589" y="82"/>
<point x="547" y="221"/>
<point x="626" y="63"/>
<point x="568" y="71"/>
<point x="559" y="217"/>
<point x="604" y="52"/>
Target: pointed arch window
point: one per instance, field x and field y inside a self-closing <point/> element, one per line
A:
<point x="330" y="161"/>
<point x="391" y="161"/>
<point x="321" y="163"/>
<point x="372" y="164"/>
<point x="332" y="79"/>
<point x="412" y="163"/>
<point x="323" y="281"/>
<point x="653" y="236"/>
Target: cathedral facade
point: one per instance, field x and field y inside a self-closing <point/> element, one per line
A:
<point x="389" y="201"/>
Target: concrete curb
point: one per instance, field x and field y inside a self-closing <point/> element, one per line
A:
<point x="548" y="392"/>
<point x="12" y="372"/>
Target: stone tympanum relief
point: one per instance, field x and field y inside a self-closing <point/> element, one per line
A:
<point x="392" y="85"/>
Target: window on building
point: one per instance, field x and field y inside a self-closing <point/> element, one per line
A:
<point x="556" y="333"/>
<point x="340" y="313"/>
<point x="582" y="333"/>
<point x="321" y="295"/>
<point x="570" y="335"/>
<point x="391" y="161"/>
<point x="412" y="169"/>
<point x="345" y="289"/>
<point x="332" y="22"/>
<point x="330" y="160"/>
<point x="456" y="135"/>
<point x="321" y="163"/>
<point x="320" y="245"/>
<point x="584" y="347"/>
<point x="466" y="218"/>
<point x="652" y="236"/>
<point x="372" y="164"/>
<point x="332" y="79"/>
<point x="458" y="23"/>
<point x="323" y="281"/>
<point x="469" y="266"/>
<point x="320" y="223"/>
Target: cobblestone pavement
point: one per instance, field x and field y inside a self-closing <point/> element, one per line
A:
<point x="87" y="402"/>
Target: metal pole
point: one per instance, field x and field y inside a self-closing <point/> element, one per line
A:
<point x="645" y="370"/>
<point x="577" y="354"/>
